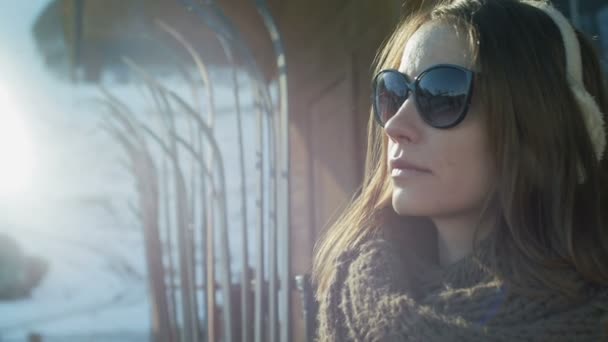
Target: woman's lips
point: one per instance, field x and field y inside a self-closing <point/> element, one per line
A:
<point x="404" y="169"/>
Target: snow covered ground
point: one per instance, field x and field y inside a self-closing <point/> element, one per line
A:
<point x="72" y="209"/>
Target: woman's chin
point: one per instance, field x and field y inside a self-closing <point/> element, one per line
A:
<point x="413" y="206"/>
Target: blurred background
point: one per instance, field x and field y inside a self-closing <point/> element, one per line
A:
<point x="159" y="157"/>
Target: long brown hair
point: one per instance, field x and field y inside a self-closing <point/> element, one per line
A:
<point x="549" y="222"/>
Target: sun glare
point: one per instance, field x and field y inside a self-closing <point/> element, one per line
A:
<point x="16" y="155"/>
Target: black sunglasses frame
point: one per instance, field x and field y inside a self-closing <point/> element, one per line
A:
<point x="411" y="89"/>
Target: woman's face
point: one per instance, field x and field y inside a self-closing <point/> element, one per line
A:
<point x="458" y="166"/>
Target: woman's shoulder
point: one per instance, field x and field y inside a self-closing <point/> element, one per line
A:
<point x="365" y="276"/>
<point x="369" y="251"/>
<point x="372" y="259"/>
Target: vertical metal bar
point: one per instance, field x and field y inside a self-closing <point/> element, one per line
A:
<point x="273" y="323"/>
<point x="224" y="242"/>
<point x="259" y="270"/>
<point x="210" y="275"/>
<point x="147" y="182"/>
<point x="199" y="224"/>
<point x="211" y="305"/>
<point x="169" y="251"/>
<point x="218" y="22"/>
<point x="181" y="208"/>
<point x="284" y="201"/>
<point x="180" y="204"/>
<point x="149" y="203"/>
<point x="192" y="232"/>
<point x="222" y="204"/>
<point x="146" y="174"/>
<point x="188" y="334"/>
<point x="245" y="249"/>
<point x="211" y="225"/>
<point x="162" y="123"/>
<point x="184" y="239"/>
<point x="198" y="158"/>
<point x="283" y="160"/>
<point x="192" y="198"/>
<point x="208" y="266"/>
<point x="306" y="298"/>
<point x="272" y="258"/>
<point x="203" y="243"/>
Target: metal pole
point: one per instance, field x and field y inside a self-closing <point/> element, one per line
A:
<point x="208" y="265"/>
<point x="146" y="173"/>
<point x="217" y="21"/>
<point x="306" y="298"/>
<point x="169" y="251"/>
<point x="259" y="270"/>
<point x="283" y="171"/>
<point x="245" y="250"/>
<point x="222" y="202"/>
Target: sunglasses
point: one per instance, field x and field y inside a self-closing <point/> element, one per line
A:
<point x="442" y="94"/>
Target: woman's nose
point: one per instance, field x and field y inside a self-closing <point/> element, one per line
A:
<point x="405" y="125"/>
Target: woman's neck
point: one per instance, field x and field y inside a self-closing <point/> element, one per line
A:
<point x="455" y="236"/>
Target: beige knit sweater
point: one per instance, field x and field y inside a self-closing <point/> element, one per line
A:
<point x="374" y="298"/>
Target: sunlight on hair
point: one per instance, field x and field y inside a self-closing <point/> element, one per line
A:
<point x="16" y="154"/>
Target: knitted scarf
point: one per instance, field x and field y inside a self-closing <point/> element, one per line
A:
<point x="373" y="297"/>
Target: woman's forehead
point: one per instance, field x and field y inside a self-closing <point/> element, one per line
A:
<point x="434" y="43"/>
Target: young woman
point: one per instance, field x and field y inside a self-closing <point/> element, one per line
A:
<point x="483" y="213"/>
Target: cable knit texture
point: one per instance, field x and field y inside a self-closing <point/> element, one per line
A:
<point x="376" y="297"/>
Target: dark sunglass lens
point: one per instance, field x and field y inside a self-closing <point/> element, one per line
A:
<point x="389" y="94"/>
<point x="441" y="95"/>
